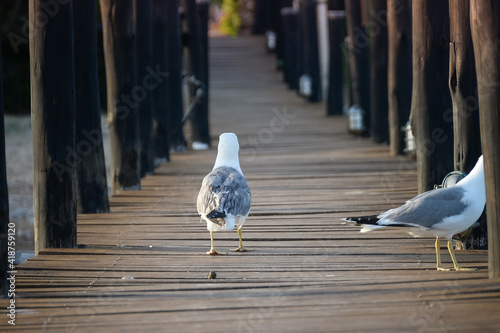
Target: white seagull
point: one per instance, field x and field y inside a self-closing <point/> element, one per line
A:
<point x="441" y="213"/>
<point x="224" y="199"/>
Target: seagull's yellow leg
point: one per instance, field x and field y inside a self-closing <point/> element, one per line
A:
<point x="438" y="257"/>
<point x="455" y="264"/>
<point x="212" y="250"/>
<point x="241" y="248"/>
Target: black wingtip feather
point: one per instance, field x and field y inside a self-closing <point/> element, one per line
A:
<point x="370" y="219"/>
<point x="216" y="215"/>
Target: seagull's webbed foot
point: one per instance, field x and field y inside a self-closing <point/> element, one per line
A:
<point x="242" y="249"/>
<point x="459" y="268"/>
<point x="212" y="252"/>
<point x="456" y="266"/>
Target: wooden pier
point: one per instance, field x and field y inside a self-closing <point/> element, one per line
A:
<point x="143" y="267"/>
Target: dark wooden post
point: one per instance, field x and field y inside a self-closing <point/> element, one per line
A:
<point x="290" y="38"/>
<point x="160" y="92"/>
<point x="431" y="100"/>
<point x="336" y="4"/>
<point x="174" y="80"/>
<point x="463" y="85"/>
<point x="197" y="44"/>
<point x="276" y="25"/>
<point x="485" y="28"/>
<point x="261" y="16"/>
<point x="118" y="29"/>
<point x="310" y="52"/>
<point x="53" y="124"/>
<point x="358" y="53"/>
<point x="399" y="71"/>
<point x="377" y="29"/>
<point x="335" y="104"/>
<point x="4" y="201"/>
<point x="91" y="170"/>
<point x="144" y="54"/>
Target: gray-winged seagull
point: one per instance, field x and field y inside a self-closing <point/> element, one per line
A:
<point x="441" y="213"/>
<point x="224" y="199"/>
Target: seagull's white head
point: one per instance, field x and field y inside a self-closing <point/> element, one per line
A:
<point x="227" y="152"/>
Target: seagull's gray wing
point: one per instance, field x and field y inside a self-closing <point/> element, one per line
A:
<point x="224" y="191"/>
<point x="427" y="209"/>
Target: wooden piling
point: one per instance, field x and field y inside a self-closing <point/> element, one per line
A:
<point x="485" y="28"/>
<point x="197" y="45"/>
<point x="160" y="91"/>
<point x="359" y="66"/>
<point x="144" y="54"/>
<point x="123" y="93"/>
<point x="174" y="80"/>
<point x="377" y="29"/>
<point x="91" y="171"/>
<point x="4" y="201"/>
<point x="463" y="86"/>
<point x="399" y="71"/>
<point x="53" y="125"/>
<point x="431" y="102"/>
<point x="335" y="103"/>
<point x="310" y="51"/>
<point x="291" y="72"/>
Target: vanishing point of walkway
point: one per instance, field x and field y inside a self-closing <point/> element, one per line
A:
<point x="143" y="267"/>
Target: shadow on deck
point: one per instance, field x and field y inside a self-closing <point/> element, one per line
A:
<point x="143" y="267"/>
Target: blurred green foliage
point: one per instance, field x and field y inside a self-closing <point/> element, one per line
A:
<point x="230" y="21"/>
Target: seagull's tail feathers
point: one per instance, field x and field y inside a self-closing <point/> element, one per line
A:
<point x="371" y="227"/>
<point x="362" y="220"/>
<point x="371" y="222"/>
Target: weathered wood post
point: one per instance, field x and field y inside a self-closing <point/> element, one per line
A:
<point x="359" y="66"/>
<point x="118" y="27"/>
<point x="431" y="100"/>
<point x="322" y="26"/>
<point x="335" y="104"/>
<point x="91" y="169"/>
<point x="160" y="91"/>
<point x="174" y="79"/>
<point x="463" y="85"/>
<point x="4" y="201"/>
<point x="53" y="124"/>
<point x="377" y="29"/>
<point x="290" y="38"/>
<point x="310" y="51"/>
<point x="399" y="71"/>
<point x="144" y="54"/>
<point x="485" y="28"/>
<point x="197" y="44"/>
<point x="261" y="13"/>
<point x="276" y="25"/>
